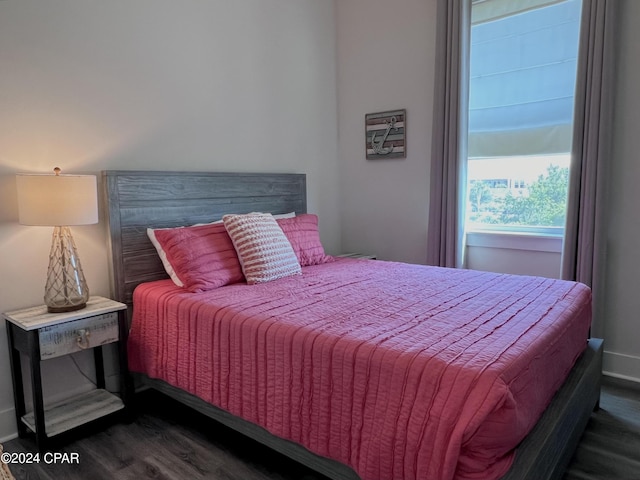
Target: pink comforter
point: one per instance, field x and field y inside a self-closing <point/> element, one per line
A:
<point x="400" y="371"/>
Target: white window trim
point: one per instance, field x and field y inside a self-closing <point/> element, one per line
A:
<point x="536" y="242"/>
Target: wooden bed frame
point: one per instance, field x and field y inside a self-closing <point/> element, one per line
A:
<point x="135" y="200"/>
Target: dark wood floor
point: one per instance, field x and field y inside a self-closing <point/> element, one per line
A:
<point x="610" y="446"/>
<point x="169" y="441"/>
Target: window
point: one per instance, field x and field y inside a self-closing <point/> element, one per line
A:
<point x="521" y="96"/>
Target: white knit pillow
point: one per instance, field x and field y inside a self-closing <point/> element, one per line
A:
<point x="263" y="249"/>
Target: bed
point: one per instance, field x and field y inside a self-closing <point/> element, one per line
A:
<point x="137" y="200"/>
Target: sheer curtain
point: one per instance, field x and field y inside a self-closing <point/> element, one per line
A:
<point x="585" y="233"/>
<point x="445" y="241"/>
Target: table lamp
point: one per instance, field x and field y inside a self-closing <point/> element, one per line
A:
<point x="59" y="201"/>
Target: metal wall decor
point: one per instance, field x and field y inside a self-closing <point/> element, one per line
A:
<point x="385" y="134"/>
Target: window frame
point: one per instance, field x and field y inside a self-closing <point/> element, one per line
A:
<point x="521" y="237"/>
<point x="511" y="240"/>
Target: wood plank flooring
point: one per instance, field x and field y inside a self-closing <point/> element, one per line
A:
<point x="610" y="446"/>
<point x="169" y="441"/>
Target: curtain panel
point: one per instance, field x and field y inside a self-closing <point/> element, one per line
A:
<point x="445" y="238"/>
<point x="584" y="248"/>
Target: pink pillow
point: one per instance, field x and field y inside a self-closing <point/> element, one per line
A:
<point x="198" y="258"/>
<point x="264" y="251"/>
<point x="302" y="232"/>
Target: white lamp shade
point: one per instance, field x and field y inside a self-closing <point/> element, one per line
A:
<point x="52" y="200"/>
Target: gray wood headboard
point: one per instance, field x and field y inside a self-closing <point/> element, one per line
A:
<point x="137" y="200"/>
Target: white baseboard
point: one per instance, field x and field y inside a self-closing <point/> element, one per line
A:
<point x="623" y="366"/>
<point x="7" y="425"/>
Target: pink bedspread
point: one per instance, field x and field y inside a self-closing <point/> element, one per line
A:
<point x="400" y="371"/>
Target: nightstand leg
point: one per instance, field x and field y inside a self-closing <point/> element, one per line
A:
<point x="126" y="382"/>
<point x="18" y="385"/>
<point x="36" y="385"/>
<point x="99" y="361"/>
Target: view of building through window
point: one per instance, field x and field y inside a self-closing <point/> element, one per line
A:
<point x="522" y="83"/>
<point x="519" y="192"/>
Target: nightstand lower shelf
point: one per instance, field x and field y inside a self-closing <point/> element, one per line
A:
<point x="72" y="413"/>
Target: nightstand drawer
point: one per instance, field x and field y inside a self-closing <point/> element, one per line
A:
<point x="69" y="337"/>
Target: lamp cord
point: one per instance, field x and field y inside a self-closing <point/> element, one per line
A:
<point x="81" y="372"/>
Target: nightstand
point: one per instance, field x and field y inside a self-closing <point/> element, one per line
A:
<point x="42" y="336"/>
<point x="358" y="255"/>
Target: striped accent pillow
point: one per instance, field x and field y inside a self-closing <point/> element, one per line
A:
<point x="263" y="249"/>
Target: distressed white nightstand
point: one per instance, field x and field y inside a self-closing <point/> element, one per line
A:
<point x="358" y="255"/>
<point x="41" y="336"/>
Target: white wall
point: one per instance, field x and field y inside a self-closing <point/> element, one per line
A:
<point x="622" y="301"/>
<point x="247" y="85"/>
<point x="514" y="253"/>
<point x="519" y="262"/>
<point x="386" y="61"/>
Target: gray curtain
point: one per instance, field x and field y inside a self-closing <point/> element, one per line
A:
<point x="448" y="152"/>
<point x="585" y="234"/>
